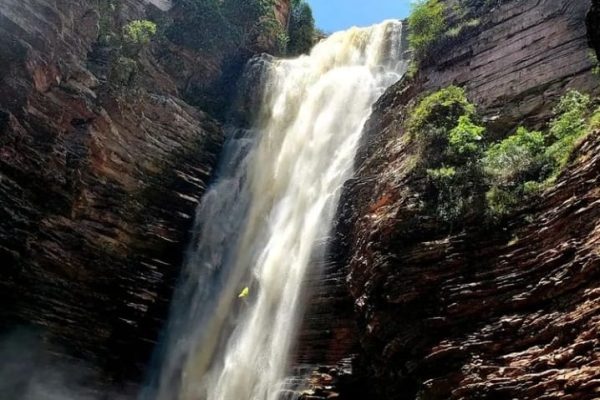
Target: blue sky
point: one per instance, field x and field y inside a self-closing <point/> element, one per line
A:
<point x="336" y="15"/>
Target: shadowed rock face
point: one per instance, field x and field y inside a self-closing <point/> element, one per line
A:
<point x="593" y="26"/>
<point x="97" y="188"/>
<point x="499" y="313"/>
<point x="478" y="312"/>
<point x="101" y="169"/>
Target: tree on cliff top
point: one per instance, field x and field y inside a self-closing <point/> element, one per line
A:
<point x="301" y="29"/>
<point x="427" y="23"/>
<point x="224" y="25"/>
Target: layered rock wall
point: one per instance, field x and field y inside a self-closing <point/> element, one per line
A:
<point x="520" y="56"/>
<point x="479" y="312"/>
<point x="98" y="184"/>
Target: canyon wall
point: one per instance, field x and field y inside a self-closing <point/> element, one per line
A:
<point x="102" y="163"/>
<point x="101" y="169"/>
<point x="477" y="312"/>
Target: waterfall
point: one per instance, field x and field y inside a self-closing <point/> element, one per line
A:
<point x="262" y="225"/>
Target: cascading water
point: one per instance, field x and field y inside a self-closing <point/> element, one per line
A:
<point x="260" y="224"/>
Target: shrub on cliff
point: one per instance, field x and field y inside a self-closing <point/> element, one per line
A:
<point x="301" y="30"/>
<point x="450" y="144"/>
<point x="441" y="124"/>
<point x="439" y="109"/>
<point x="201" y="26"/>
<point x="124" y="73"/>
<point x="465" y="139"/>
<point x="463" y="174"/>
<point x="106" y="23"/>
<point x="221" y="26"/>
<point x="427" y="24"/>
<point x="136" y="36"/>
<point x="139" y="31"/>
<point x="594" y="123"/>
<point x="514" y="167"/>
<point x="517" y="158"/>
<point x="527" y="162"/>
<point x="568" y="126"/>
<point x="253" y="20"/>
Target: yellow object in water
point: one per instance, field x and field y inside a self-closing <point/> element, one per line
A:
<point x="244" y="293"/>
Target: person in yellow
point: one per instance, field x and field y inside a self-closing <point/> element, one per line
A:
<point x="244" y="293"/>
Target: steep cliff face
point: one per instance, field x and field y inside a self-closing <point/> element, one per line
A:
<point x="479" y="312"/>
<point x="102" y="164"/>
<point x="519" y="57"/>
<point x="98" y="188"/>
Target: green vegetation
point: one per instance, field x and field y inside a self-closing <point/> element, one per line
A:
<point x="202" y="26"/>
<point x="441" y="109"/>
<point x="462" y="170"/>
<point x="217" y="27"/>
<point x="253" y="21"/>
<point x="457" y="30"/>
<point x="413" y="70"/>
<point x="139" y="31"/>
<point x="594" y="123"/>
<point x="501" y="202"/>
<point x="427" y="24"/>
<point x="125" y="43"/>
<point x="527" y="162"/>
<point x="465" y="138"/>
<point x="432" y="25"/>
<point x="301" y="29"/>
<point x="449" y="143"/>
<point x="516" y="158"/>
<point x="227" y="25"/>
<point x="567" y="127"/>
<point x="512" y="168"/>
<point x="123" y="73"/>
<point x="106" y="32"/>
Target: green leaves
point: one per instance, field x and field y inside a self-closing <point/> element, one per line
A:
<point x="466" y="138"/>
<point x="526" y="162"/>
<point x="202" y="26"/>
<point x="514" y="156"/>
<point x="512" y="167"/>
<point x="441" y="109"/>
<point x="570" y="119"/>
<point x="450" y="144"/>
<point x="427" y="24"/>
<point x="460" y="167"/>
<point x="568" y="126"/>
<point x="301" y="29"/>
<point x="139" y="31"/>
<point x="227" y="25"/>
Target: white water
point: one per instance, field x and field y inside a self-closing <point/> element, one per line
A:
<point x="261" y="223"/>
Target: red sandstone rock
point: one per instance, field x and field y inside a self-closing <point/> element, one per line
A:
<point x="97" y="189"/>
<point x="476" y="313"/>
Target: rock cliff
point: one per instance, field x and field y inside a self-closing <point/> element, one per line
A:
<point x="102" y="163"/>
<point x="478" y="312"/>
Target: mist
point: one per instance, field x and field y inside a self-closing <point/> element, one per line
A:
<point x="33" y="369"/>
